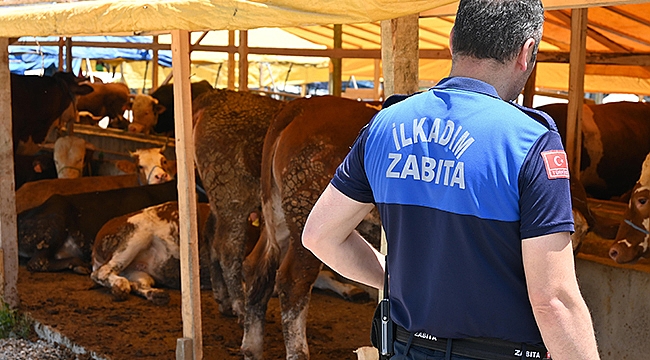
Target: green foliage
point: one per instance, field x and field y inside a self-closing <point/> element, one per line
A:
<point x="13" y="324"/>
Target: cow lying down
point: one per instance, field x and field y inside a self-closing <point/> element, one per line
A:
<point x="59" y="234"/>
<point x="134" y="252"/>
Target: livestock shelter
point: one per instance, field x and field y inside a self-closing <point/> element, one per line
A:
<point x="612" y="49"/>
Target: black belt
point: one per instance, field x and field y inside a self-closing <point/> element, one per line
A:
<point x="479" y="348"/>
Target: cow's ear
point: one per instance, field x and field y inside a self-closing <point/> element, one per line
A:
<point x="159" y="109"/>
<point x="82" y="89"/>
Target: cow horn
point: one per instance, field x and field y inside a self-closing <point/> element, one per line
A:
<point x="163" y="148"/>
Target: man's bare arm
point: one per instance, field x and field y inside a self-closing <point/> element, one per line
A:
<point x="329" y="234"/>
<point x="560" y="311"/>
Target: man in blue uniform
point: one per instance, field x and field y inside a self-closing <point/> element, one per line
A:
<point x="473" y="192"/>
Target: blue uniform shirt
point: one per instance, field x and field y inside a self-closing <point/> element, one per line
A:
<point x="460" y="177"/>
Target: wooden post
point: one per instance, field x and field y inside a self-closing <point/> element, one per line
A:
<point x="243" y="60"/>
<point x="577" y="58"/>
<point x="188" y="230"/>
<point x="68" y="54"/>
<point x="400" y="55"/>
<point x="154" y="66"/>
<point x="8" y="226"/>
<point x="529" y="88"/>
<point x="377" y="81"/>
<point x="231" y="60"/>
<point x="61" y="46"/>
<point x="336" y="69"/>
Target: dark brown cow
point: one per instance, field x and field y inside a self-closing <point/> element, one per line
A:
<point x="632" y="239"/>
<point x="110" y="99"/>
<point x="615" y="141"/>
<point x="155" y="112"/>
<point x="36" y="102"/>
<point x="303" y="147"/>
<point x="229" y="133"/>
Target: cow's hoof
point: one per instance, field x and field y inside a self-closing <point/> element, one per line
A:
<point x="82" y="270"/>
<point x="226" y="311"/>
<point x="159" y="298"/>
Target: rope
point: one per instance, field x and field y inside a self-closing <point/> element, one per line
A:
<point x="636" y="227"/>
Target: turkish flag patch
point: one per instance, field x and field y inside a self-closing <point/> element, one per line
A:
<point x="557" y="166"/>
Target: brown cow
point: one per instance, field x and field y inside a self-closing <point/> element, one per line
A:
<point x="36" y="102"/>
<point x="110" y="99"/>
<point x="303" y="147"/>
<point x="632" y="239"/>
<point x="229" y="133"/>
<point x="615" y="141"/>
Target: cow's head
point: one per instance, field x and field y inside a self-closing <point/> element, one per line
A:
<point x="151" y="165"/>
<point x="145" y="113"/>
<point x="69" y="156"/>
<point x="631" y="241"/>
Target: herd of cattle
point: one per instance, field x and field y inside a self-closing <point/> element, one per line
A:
<point x="262" y="163"/>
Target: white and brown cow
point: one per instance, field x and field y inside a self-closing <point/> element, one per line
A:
<point x="305" y="143"/>
<point x="615" y="141"/>
<point x="71" y="153"/>
<point x="632" y="239"/>
<point x="134" y="252"/>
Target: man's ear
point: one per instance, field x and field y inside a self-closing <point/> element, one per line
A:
<point x="451" y="35"/>
<point x="525" y="57"/>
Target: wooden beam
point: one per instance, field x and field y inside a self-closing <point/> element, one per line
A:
<point x="188" y="224"/>
<point x="576" y="89"/>
<point x="154" y="66"/>
<point x="529" y="88"/>
<point x="336" y="64"/>
<point x="231" y="60"/>
<point x="243" y="60"/>
<point x="8" y="226"/>
<point x="593" y="34"/>
<point x="399" y="53"/>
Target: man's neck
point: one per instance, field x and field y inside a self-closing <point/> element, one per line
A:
<point x="489" y="71"/>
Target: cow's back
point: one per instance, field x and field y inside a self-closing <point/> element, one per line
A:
<point x="34" y="193"/>
<point x="615" y="141"/>
<point x="311" y="136"/>
<point x="228" y="134"/>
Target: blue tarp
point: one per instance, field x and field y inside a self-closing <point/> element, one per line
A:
<point x="33" y="57"/>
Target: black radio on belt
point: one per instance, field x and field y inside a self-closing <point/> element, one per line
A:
<point x="382" y="333"/>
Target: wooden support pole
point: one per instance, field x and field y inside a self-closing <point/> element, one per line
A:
<point x="8" y="227"/>
<point x="377" y="81"/>
<point x="529" y="88"/>
<point x="336" y="68"/>
<point x="231" y="60"/>
<point x="188" y="225"/>
<point x="68" y="54"/>
<point x="243" y="60"/>
<point x="61" y="47"/>
<point x="154" y="66"/>
<point x="576" y="89"/>
<point x="399" y="55"/>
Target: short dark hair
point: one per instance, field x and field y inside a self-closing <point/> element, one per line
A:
<point x="496" y="29"/>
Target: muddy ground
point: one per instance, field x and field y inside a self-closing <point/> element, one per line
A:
<point x="136" y="329"/>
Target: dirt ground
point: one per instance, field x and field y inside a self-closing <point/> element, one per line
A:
<point x="136" y="329"/>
